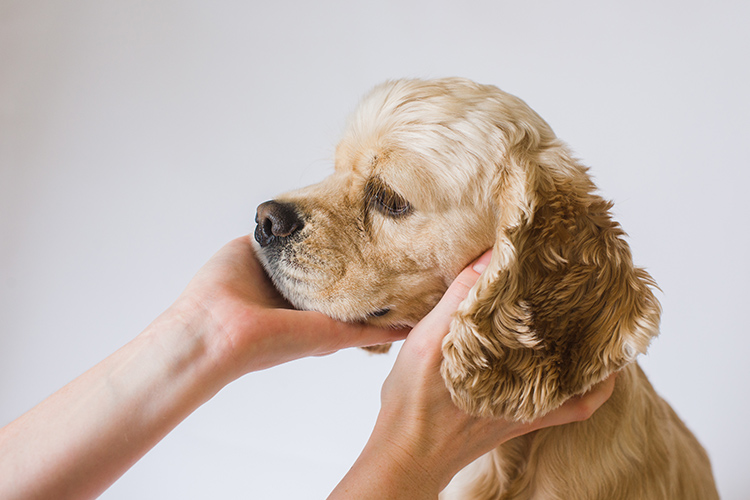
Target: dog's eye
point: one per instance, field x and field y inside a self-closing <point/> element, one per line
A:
<point x="391" y="203"/>
<point x="385" y="200"/>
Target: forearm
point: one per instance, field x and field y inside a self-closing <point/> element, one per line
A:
<point x="81" y="439"/>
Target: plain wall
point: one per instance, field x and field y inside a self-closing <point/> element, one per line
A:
<point x="138" y="137"/>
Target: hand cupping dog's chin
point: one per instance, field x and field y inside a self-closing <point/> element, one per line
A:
<point x="428" y="175"/>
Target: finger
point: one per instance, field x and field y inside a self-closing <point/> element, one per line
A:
<point x="318" y="331"/>
<point x="361" y="335"/>
<point x="579" y="408"/>
<point x="425" y="340"/>
<point x="320" y="334"/>
<point x="439" y="319"/>
<point x="586" y="404"/>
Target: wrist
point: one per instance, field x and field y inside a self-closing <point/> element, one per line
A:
<point x="411" y="464"/>
<point x="379" y="474"/>
<point x="392" y="465"/>
<point x="186" y="337"/>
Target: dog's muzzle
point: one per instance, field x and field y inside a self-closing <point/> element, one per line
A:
<point x="276" y="222"/>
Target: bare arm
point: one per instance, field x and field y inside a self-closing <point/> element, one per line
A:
<point x="421" y="439"/>
<point x="228" y="322"/>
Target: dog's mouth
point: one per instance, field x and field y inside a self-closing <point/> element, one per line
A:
<point x="288" y="278"/>
<point x="300" y="288"/>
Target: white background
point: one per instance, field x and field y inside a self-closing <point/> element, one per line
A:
<point x="138" y="137"/>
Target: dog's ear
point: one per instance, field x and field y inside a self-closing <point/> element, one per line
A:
<point x="560" y="306"/>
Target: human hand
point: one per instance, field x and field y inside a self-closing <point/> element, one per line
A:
<point x="229" y="320"/>
<point x="250" y="326"/>
<point x="421" y="439"/>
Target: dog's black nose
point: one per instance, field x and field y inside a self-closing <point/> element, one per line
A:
<point x="276" y="220"/>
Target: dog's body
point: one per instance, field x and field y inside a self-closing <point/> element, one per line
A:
<point x="428" y="175"/>
<point x="633" y="447"/>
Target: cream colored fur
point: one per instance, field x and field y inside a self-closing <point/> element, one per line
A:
<point x="427" y="176"/>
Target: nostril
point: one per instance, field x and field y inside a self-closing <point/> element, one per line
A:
<point x="267" y="227"/>
<point x="276" y="220"/>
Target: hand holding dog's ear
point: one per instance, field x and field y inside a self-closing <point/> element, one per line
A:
<point x="252" y="326"/>
<point x="421" y="439"/>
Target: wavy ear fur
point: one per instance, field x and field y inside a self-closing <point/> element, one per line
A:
<point x="561" y="305"/>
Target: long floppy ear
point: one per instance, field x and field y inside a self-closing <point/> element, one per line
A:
<point x="560" y="306"/>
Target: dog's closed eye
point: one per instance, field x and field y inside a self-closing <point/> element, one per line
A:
<point x="428" y="175"/>
<point x="385" y="200"/>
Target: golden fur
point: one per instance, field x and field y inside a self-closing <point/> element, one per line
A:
<point x="427" y="176"/>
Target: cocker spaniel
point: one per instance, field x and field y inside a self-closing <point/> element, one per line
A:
<point x="427" y="176"/>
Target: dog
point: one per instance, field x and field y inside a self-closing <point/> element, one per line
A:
<point x="429" y="174"/>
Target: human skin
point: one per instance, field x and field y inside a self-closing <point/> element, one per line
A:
<point x="421" y="439"/>
<point x="228" y="322"/>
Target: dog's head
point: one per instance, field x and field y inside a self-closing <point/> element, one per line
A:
<point x="427" y="176"/>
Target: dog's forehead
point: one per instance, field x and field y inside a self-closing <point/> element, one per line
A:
<point x="428" y="173"/>
<point x="432" y="140"/>
<point x="425" y="182"/>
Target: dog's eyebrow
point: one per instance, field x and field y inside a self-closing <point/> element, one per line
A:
<point x="376" y="185"/>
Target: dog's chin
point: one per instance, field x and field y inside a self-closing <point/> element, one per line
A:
<point x="302" y="296"/>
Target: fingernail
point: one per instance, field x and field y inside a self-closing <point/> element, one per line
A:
<point x="483" y="261"/>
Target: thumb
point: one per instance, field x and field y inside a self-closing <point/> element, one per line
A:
<point x="440" y="317"/>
